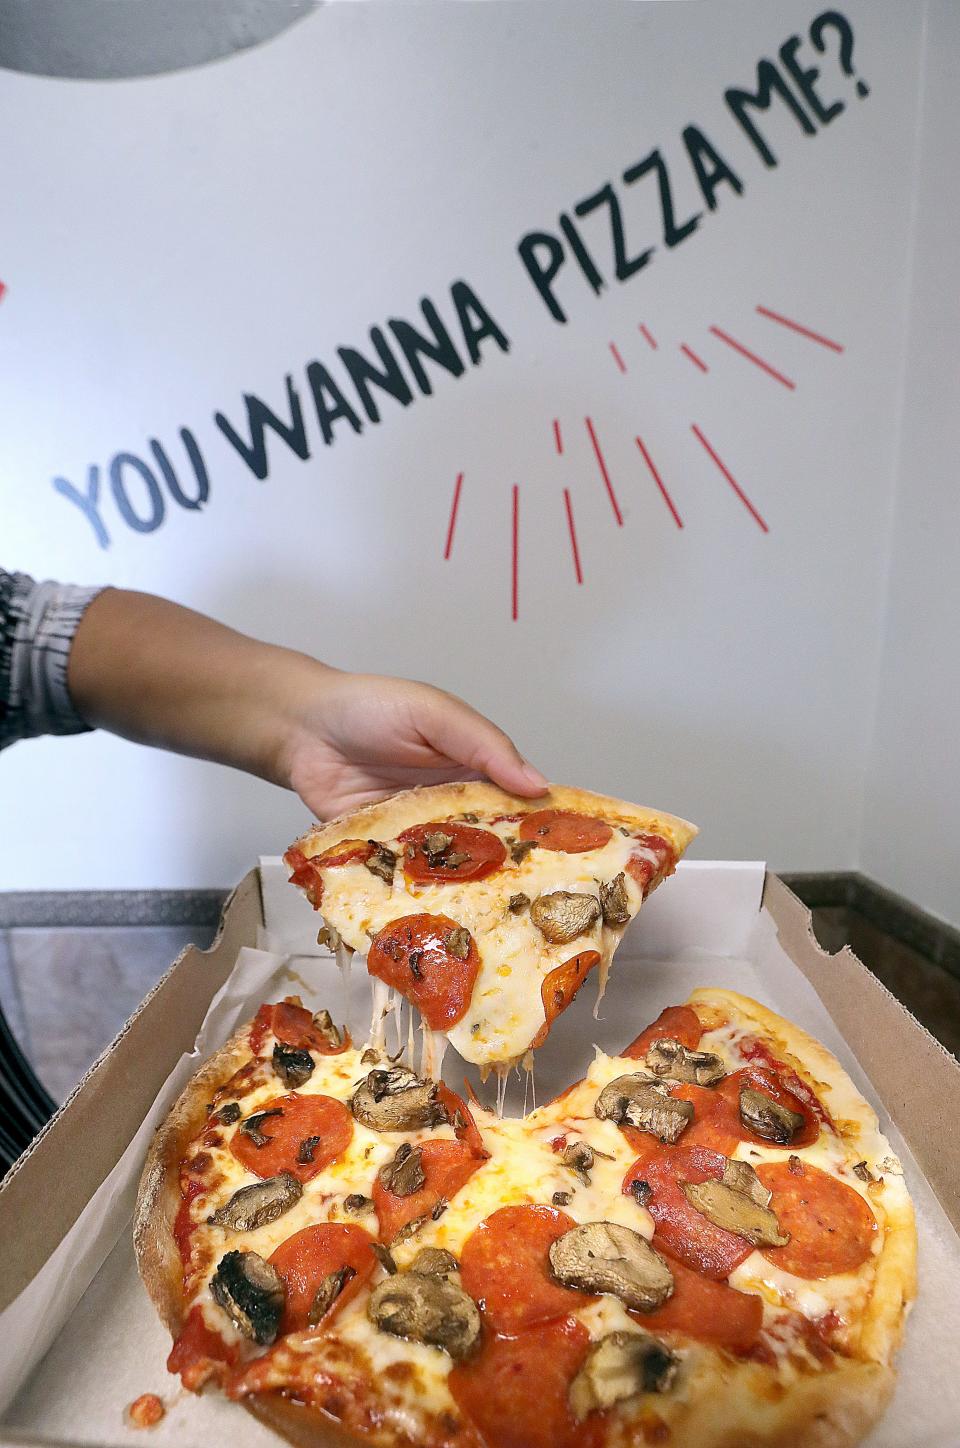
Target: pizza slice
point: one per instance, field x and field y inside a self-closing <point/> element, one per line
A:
<point x="485" y="911"/>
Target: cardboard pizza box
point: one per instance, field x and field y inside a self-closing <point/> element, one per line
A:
<point x="78" y="1338"/>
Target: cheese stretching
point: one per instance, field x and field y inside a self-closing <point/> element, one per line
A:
<point x="487" y="913"/>
<point x="711" y="1220"/>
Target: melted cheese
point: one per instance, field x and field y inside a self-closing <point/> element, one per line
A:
<point x="506" y="1010"/>
<point x="525" y="1166"/>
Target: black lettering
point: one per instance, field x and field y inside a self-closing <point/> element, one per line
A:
<point x="321" y="384"/>
<point x="804" y="78"/>
<point x="624" y="266"/>
<point x="88" y="502"/>
<point x="195" y="456"/>
<point x="469" y="306"/>
<point x="672" y="234"/>
<point x="260" y="417"/>
<point x="154" y="495"/>
<point x="439" y="348"/>
<point x="769" y="80"/>
<point x="364" y="375"/>
<point x="701" y="151"/>
<point x="542" y="276"/>
<point x="577" y="246"/>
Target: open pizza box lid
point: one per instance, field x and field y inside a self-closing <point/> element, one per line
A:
<point x="79" y="1339"/>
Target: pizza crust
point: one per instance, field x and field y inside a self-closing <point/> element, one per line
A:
<point x="158" y="1195"/>
<point x="386" y="818"/>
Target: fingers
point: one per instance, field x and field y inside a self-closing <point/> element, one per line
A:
<point x="467" y="737"/>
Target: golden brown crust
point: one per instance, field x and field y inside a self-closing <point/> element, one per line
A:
<point x="386" y="818"/>
<point x="158" y="1195"/>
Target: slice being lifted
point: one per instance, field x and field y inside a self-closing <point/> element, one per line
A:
<point x="486" y="911"/>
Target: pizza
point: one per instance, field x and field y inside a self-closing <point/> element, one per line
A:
<point x="481" y="910"/>
<point x="704" y="1242"/>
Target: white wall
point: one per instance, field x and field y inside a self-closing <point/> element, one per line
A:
<point x="179" y="240"/>
<point x="911" y="839"/>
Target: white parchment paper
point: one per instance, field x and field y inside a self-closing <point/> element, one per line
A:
<point x="83" y="1340"/>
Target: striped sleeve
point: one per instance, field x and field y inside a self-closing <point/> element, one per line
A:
<point x="37" y="625"/>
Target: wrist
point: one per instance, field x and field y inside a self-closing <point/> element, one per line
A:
<point x="286" y="690"/>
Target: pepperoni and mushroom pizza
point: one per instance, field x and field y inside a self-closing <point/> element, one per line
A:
<point x="482" y="911"/>
<point x="704" y="1243"/>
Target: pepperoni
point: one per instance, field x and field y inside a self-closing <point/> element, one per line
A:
<point x="447" y="1166"/>
<point x="771" y="1085"/>
<point x="465" y="1129"/>
<point x="505" y="1267"/>
<point x="412" y="954"/>
<point x="642" y="868"/>
<point x="306" y="1258"/>
<point x="708" y="1311"/>
<point x="712" y="1125"/>
<point x="485" y="852"/>
<point x="831" y="1226"/>
<point x="563" y="830"/>
<point x="759" y="1053"/>
<point x="675" y="1023"/>
<point x="303" y="1117"/>
<point x="515" y="1390"/>
<point x="683" y="1231"/>
<point x="293" y="1025"/>
<point x="306" y="874"/>
<point x="345" y="852"/>
<point x="200" y="1354"/>
<point x="560" y="985"/>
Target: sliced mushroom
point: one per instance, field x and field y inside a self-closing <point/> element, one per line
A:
<point x="767" y="1118"/>
<point x="357" y="1202"/>
<point x="862" y="1171"/>
<point x="605" y="1257"/>
<point x="518" y="903"/>
<point x="397" y="1100"/>
<point x="324" y="1026"/>
<point x="254" y="1206"/>
<point x="520" y="849"/>
<point x="382" y="862"/>
<point x="735" y="1212"/>
<point x="458" y="943"/>
<point x="578" y="1157"/>
<point x="562" y="916"/>
<point x="741" y="1176"/>
<point x="404" y="1175"/>
<point x="228" y="1113"/>
<point x="426" y="1309"/>
<point x="639" y="1101"/>
<point x="434" y="1262"/>
<point x="667" y="1057"/>
<point x="292" y="1065"/>
<point x="621" y="1365"/>
<point x="385" y="1257"/>
<point x="641" y="1191"/>
<point x="562" y="1199"/>
<point x="251" y="1293"/>
<point x="614" y="904"/>
<point x="328" y="1292"/>
<point x="253" y="1125"/>
<point x="435" y="846"/>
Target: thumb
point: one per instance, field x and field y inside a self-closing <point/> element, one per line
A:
<point x="463" y="734"/>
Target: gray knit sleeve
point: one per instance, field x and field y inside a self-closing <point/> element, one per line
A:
<point x="37" y="625"/>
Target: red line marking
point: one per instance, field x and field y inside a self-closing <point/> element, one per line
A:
<point x="514" y="551"/>
<point x="752" y="357"/>
<point x="3" y="288"/>
<point x="617" y="358"/>
<point x="573" y="536"/>
<point x="453" y="514"/>
<point x="796" y="327"/>
<point x="556" y="435"/>
<point x="730" y="478"/>
<point x="698" y="361"/>
<point x="659" y="482"/>
<point x="647" y="335"/>
<point x="606" y="476"/>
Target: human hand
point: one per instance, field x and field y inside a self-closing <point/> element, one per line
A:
<point x="354" y="738"/>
